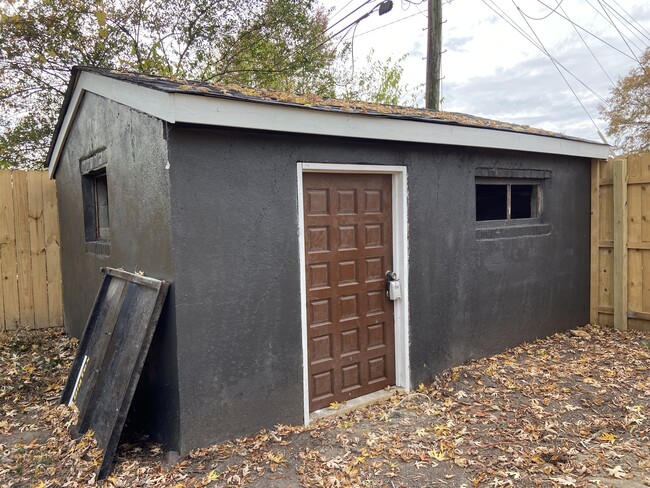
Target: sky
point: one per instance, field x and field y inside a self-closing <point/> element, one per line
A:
<point x="491" y="70"/>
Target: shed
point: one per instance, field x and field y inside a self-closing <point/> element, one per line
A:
<point x="275" y="217"/>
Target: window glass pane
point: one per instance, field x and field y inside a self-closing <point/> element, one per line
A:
<point x="101" y="206"/>
<point x="521" y="201"/>
<point x="491" y="202"/>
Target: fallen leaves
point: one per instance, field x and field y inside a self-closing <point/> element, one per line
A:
<point x="617" y="472"/>
<point x="569" y="410"/>
<point x="607" y="437"/>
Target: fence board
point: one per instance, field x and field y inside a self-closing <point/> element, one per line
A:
<point x="30" y="288"/>
<point x="8" y="273"/>
<point x="606" y="212"/>
<point x="645" y="217"/>
<point x="52" y="252"/>
<point x="634" y="213"/>
<point x="23" y="258"/>
<point x="635" y="278"/>
<point x="621" y="256"/>
<point x="594" y="278"/>
<point x="37" y="248"/>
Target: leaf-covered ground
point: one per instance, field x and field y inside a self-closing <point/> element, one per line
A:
<point x="570" y="410"/>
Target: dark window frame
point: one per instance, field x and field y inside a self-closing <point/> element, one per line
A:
<point x="536" y="205"/>
<point x="95" y="192"/>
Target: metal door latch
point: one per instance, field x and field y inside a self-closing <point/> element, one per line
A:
<point x="393" y="290"/>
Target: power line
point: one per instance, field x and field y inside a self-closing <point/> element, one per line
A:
<point x="565" y="17"/>
<point x="589" y="49"/>
<point x="605" y="15"/>
<point x="340" y="10"/>
<point x="545" y="16"/>
<point x="639" y="34"/>
<point x="386" y="25"/>
<point x="343" y="18"/>
<point x="561" y="74"/>
<point x="633" y="19"/>
<point x="516" y="26"/>
<point x="619" y="32"/>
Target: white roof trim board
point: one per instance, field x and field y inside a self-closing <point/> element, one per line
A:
<point x="223" y="112"/>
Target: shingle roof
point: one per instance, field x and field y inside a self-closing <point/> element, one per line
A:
<point x="315" y="102"/>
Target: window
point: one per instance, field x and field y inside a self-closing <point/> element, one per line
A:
<point x="96" y="205"/>
<point x="497" y="200"/>
<point x="100" y="190"/>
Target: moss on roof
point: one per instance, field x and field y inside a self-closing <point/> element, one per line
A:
<point x="316" y="102"/>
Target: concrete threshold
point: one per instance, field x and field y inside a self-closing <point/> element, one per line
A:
<point x="355" y="403"/>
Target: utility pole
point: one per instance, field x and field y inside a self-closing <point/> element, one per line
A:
<point x="434" y="51"/>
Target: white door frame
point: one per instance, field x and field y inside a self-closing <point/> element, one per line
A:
<point x="400" y="264"/>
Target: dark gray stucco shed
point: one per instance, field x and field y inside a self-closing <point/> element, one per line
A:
<point x="275" y="217"/>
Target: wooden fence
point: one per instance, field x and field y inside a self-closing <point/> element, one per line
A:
<point x="620" y="242"/>
<point x="30" y="269"/>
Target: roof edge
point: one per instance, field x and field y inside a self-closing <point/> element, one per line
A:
<point x="191" y="108"/>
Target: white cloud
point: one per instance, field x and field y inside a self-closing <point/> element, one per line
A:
<point x="491" y="70"/>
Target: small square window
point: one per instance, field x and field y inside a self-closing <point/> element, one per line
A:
<point x="507" y="201"/>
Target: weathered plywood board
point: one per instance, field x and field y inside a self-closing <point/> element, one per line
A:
<point x="111" y="354"/>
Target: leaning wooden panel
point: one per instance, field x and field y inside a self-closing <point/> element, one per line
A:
<point x="111" y="355"/>
<point x="52" y="251"/>
<point x="23" y="249"/>
<point x="606" y="278"/>
<point x="37" y="248"/>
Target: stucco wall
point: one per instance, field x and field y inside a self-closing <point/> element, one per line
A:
<point x="134" y="146"/>
<point x="235" y="250"/>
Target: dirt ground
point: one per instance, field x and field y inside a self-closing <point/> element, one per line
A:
<point x="570" y="410"/>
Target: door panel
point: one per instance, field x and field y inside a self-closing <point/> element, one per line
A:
<point x="348" y="248"/>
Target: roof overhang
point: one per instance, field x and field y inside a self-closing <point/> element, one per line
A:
<point x="223" y="112"/>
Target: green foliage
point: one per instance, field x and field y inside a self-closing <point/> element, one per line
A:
<point x="628" y="109"/>
<point x="276" y="44"/>
<point x="379" y="82"/>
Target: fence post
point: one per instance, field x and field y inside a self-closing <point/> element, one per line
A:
<point x="620" y="243"/>
<point x="594" y="282"/>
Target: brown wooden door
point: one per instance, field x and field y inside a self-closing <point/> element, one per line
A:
<point x="348" y="248"/>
